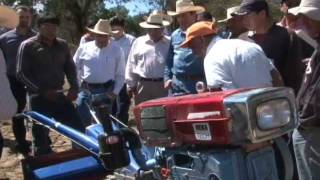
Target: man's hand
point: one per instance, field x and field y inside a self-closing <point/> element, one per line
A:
<point x="112" y="96"/>
<point x="167" y="84"/>
<point x="131" y="91"/>
<point x="72" y="95"/>
<point x="51" y="95"/>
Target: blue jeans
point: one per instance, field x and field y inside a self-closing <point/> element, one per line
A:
<point x="84" y="100"/>
<point x="121" y="106"/>
<point x="306" y="145"/>
<point x="183" y="87"/>
<point x="61" y="110"/>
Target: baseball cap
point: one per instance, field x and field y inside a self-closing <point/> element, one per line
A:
<point x="198" y="29"/>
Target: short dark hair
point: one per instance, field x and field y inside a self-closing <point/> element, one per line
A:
<point x="206" y="16"/>
<point x="48" y="18"/>
<point x="117" y="21"/>
<point x="24" y="8"/>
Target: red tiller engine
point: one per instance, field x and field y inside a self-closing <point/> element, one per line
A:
<point x="232" y="117"/>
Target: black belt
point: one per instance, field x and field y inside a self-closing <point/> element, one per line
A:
<point x="151" y="79"/>
<point x="97" y="85"/>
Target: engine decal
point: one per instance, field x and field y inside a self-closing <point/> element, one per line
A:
<point x="202" y="115"/>
<point x="202" y="131"/>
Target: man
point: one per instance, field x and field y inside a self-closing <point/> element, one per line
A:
<point x="43" y="63"/>
<point x="233" y="23"/>
<point x="146" y="62"/>
<point x="183" y="69"/>
<point x="230" y="64"/>
<point x="289" y="20"/>
<point x="9" y="43"/>
<point x="306" y="136"/>
<point x="100" y="66"/>
<point x="124" y="40"/>
<point x="276" y="41"/>
<point x="8" y="105"/>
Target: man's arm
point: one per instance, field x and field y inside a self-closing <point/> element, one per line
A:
<point x="131" y="78"/>
<point x="24" y="64"/>
<point x="168" y="67"/>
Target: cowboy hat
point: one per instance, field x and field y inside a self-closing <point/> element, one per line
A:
<point x="102" y="28"/>
<point x="183" y="6"/>
<point x="8" y="17"/>
<point x="310" y="8"/>
<point x="154" y="21"/>
<point x="230" y="13"/>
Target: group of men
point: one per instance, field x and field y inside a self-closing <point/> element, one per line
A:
<point x="257" y="53"/>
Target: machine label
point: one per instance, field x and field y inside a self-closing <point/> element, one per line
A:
<point x="202" y="131"/>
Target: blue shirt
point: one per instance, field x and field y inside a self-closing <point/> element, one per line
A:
<point x="181" y="62"/>
<point x="9" y="43"/>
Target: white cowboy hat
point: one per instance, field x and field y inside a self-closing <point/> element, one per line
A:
<point x="154" y="21"/>
<point x="310" y="8"/>
<point x="8" y="17"/>
<point x="230" y="13"/>
<point x="102" y="27"/>
<point x="183" y="6"/>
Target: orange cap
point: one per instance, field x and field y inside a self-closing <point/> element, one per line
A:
<point x="198" y="29"/>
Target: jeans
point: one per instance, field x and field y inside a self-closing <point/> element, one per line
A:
<point x="182" y="87"/>
<point x="84" y="100"/>
<point x="62" y="110"/>
<point x="18" y="125"/>
<point x="121" y="106"/>
<point x="307" y="151"/>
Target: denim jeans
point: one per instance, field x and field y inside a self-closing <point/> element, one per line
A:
<point x="121" y="106"/>
<point x="61" y="110"/>
<point x="84" y="100"/>
<point x="306" y="145"/>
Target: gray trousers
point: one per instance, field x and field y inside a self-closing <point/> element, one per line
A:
<point x="148" y="90"/>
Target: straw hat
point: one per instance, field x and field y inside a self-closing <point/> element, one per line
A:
<point x="310" y="8"/>
<point x="154" y="21"/>
<point x="8" y="17"/>
<point x="102" y="27"/>
<point x="230" y="13"/>
<point x="183" y="6"/>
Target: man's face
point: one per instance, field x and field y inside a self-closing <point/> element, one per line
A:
<point x="48" y="30"/>
<point x="198" y="46"/>
<point x="312" y="27"/>
<point x="120" y="32"/>
<point x="251" y="20"/>
<point x="235" y="25"/>
<point x="155" y="34"/>
<point x="187" y="19"/>
<point x="25" y="18"/>
<point x="101" y="40"/>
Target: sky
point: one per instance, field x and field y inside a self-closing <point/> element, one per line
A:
<point x="134" y="7"/>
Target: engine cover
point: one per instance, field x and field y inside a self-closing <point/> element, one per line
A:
<point x="218" y="118"/>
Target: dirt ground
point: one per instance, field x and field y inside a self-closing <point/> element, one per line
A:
<point x="10" y="165"/>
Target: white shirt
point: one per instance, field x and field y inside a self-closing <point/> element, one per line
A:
<point x="8" y="104"/>
<point x="146" y="59"/>
<point x="96" y="65"/>
<point x="235" y="63"/>
<point x="125" y="42"/>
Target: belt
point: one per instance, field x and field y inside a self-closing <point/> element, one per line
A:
<point x="190" y="77"/>
<point x="107" y="84"/>
<point x="151" y="79"/>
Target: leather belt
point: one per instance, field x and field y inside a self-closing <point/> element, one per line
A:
<point x="97" y="85"/>
<point x="151" y="79"/>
